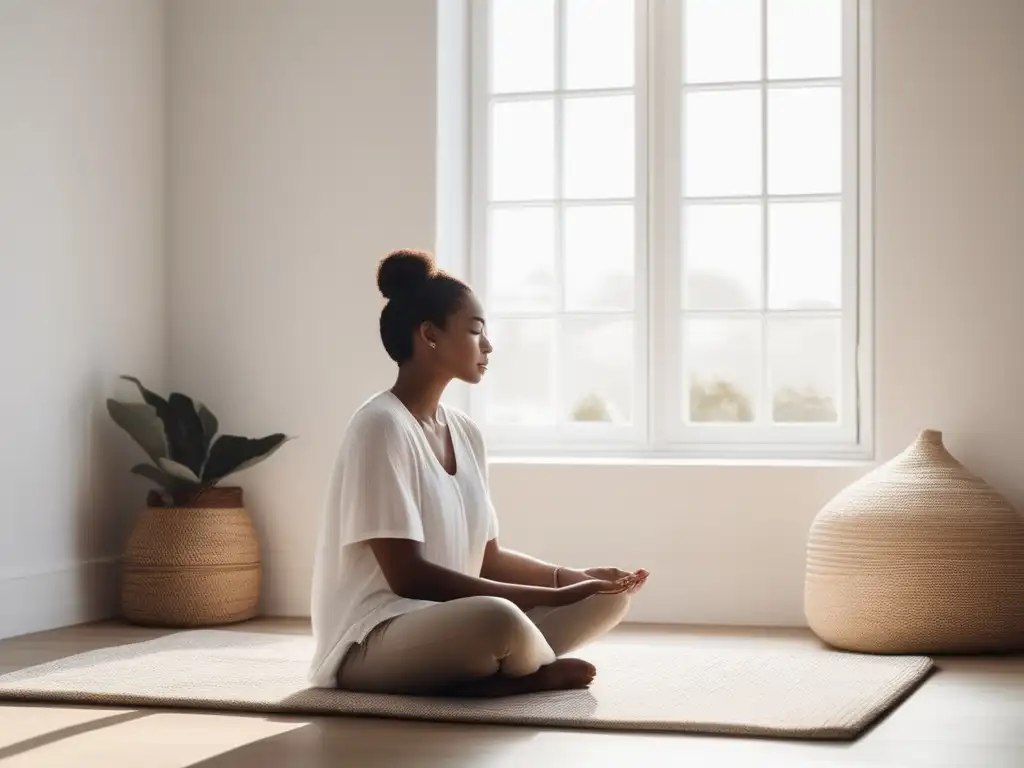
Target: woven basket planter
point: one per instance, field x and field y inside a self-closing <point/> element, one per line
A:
<point x="918" y="556"/>
<point x="192" y="566"/>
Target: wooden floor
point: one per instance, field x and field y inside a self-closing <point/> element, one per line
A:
<point x="968" y="715"/>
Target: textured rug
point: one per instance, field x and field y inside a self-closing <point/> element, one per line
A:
<point x="805" y="694"/>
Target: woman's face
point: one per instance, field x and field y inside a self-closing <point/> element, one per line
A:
<point x="462" y="346"/>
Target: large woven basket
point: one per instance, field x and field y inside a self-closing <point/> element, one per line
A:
<point x="918" y="556"/>
<point x="192" y="566"/>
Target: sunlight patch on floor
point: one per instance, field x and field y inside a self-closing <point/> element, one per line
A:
<point x="83" y="737"/>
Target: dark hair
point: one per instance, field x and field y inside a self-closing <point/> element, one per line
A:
<point x="417" y="292"/>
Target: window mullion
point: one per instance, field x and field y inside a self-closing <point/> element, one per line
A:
<point x="559" y="203"/>
<point x="645" y="405"/>
<point x="764" y="415"/>
<point x="856" y="392"/>
<point x="745" y="85"/>
<point x="667" y="249"/>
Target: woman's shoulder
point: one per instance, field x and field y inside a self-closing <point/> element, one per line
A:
<point x="457" y="414"/>
<point x="469" y="427"/>
<point x="376" y="419"/>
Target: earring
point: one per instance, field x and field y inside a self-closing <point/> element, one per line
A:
<point x="433" y="345"/>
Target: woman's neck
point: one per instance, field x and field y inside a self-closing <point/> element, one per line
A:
<point x="420" y="392"/>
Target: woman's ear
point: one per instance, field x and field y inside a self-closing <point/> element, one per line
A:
<point x="428" y="333"/>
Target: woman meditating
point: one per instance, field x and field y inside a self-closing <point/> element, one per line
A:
<point x="412" y="592"/>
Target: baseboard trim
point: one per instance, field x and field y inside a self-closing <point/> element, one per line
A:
<point x="38" y="599"/>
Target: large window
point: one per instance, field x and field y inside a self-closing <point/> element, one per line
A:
<point x="669" y="226"/>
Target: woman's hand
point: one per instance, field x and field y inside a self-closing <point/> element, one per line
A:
<point x="581" y="590"/>
<point x="568" y="576"/>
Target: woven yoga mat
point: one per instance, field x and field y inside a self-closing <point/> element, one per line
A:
<point x="807" y="694"/>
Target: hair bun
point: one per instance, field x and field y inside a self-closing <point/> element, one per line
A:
<point x="404" y="272"/>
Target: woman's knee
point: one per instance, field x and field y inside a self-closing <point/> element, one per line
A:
<point x="495" y="617"/>
<point x="503" y="636"/>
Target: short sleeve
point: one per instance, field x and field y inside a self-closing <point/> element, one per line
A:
<point x="377" y="497"/>
<point x="492" y="522"/>
<point x="479" y="446"/>
<point x="492" y="530"/>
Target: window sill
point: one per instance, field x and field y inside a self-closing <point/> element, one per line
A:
<point x="854" y="461"/>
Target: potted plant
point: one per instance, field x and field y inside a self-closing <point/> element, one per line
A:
<point x="192" y="558"/>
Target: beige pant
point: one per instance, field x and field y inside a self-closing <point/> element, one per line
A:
<point x="473" y="638"/>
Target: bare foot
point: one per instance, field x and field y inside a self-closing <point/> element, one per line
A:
<point x="565" y="674"/>
<point x="560" y="675"/>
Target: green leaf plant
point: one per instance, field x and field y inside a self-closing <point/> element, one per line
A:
<point x="181" y="438"/>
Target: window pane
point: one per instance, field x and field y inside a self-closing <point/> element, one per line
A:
<point x="805" y="256"/>
<point x="522" y="45"/>
<point x="805" y="153"/>
<point x="518" y="383"/>
<point x="596" y="370"/>
<point x="804" y="368"/>
<point x="722" y="143"/>
<point x="722" y="256"/>
<point x="805" y="38"/>
<point x="722" y="41"/>
<point x="523" y="150"/>
<point x="599" y="46"/>
<point x="722" y="369"/>
<point x="521" y="260"/>
<point x="599" y="257"/>
<point x="599" y="147"/>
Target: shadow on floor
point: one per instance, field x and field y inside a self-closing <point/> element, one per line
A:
<point x="360" y="741"/>
<point x="368" y="742"/>
<point x="67" y="732"/>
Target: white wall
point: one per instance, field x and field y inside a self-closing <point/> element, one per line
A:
<point x="81" y="291"/>
<point x="301" y="150"/>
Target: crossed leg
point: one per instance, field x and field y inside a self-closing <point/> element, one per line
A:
<point x="569" y="627"/>
<point x="480" y="646"/>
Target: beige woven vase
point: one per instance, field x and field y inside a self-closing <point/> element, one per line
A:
<point x="192" y="566"/>
<point x="918" y="556"/>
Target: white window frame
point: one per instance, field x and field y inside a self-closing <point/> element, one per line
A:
<point x="658" y="430"/>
